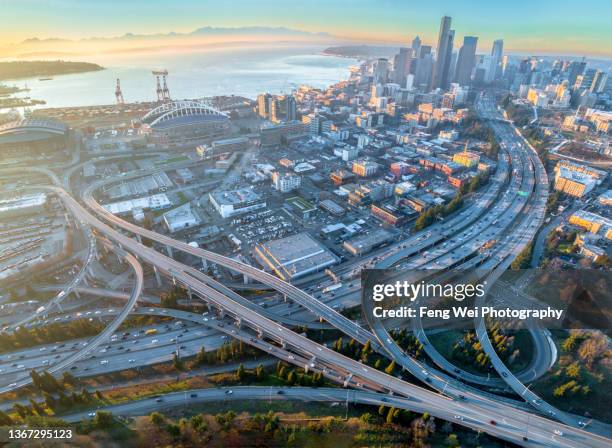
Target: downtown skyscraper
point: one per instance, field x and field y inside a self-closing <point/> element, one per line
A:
<point x="444" y="52"/>
<point x="497" y="53"/>
<point x="466" y="60"/>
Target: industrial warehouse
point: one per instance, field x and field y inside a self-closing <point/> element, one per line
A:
<point x="294" y="256"/>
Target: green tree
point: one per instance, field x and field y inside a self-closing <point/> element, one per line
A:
<point x="177" y="363"/>
<point x="201" y="356"/>
<point x="49" y="400"/>
<point x="86" y="396"/>
<point x="198" y="423"/>
<point x="157" y="419"/>
<point x="390" y="368"/>
<point x="68" y="378"/>
<point x="573" y="370"/>
<point x="452" y="441"/>
<point x="241" y="373"/>
<point x="260" y="373"/>
<point x="21" y="410"/>
<point x="5" y="420"/>
<point x="37" y="407"/>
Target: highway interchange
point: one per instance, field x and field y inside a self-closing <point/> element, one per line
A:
<point x="511" y="220"/>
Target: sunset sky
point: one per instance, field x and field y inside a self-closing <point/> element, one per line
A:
<point x="527" y="26"/>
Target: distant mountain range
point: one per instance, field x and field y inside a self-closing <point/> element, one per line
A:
<point x="204" y="31"/>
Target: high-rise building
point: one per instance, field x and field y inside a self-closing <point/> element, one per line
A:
<point x="401" y="66"/>
<point x="466" y="60"/>
<point x="264" y="106"/>
<point x="497" y="52"/>
<point x="599" y="82"/>
<point x="425" y="51"/>
<point x="585" y="80"/>
<point x="381" y="71"/>
<point x="444" y="53"/>
<point x="423" y="69"/>
<point x="290" y="108"/>
<point x="282" y="108"/>
<point x="575" y="69"/>
<point x="416" y="47"/>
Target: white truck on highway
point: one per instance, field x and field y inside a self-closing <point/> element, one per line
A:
<point x="331" y="288"/>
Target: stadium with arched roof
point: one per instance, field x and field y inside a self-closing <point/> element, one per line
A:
<point x="185" y="120"/>
<point x="32" y="136"/>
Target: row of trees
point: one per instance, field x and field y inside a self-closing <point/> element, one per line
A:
<point x="30" y="337"/>
<point x="297" y="377"/>
<point x="229" y="352"/>
<point x="469" y="350"/>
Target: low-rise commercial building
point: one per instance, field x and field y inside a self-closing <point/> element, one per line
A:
<point x="467" y="158"/>
<point x="573" y="183"/>
<point x="341" y="177"/>
<point x="592" y="222"/>
<point x="365" y="243"/>
<point x="235" y="202"/>
<point x="365" y="167"/>
<point x="300" y="207"/>
<point x="180" y="218"/>
<point x="294" y="256"/>
<point x="331" y="207"/>
<point x="285" y="182"/>
<point x="155" y="202"/>
<point x="391" y="214"/>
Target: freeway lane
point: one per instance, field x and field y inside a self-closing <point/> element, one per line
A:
<point x="481" y="410"/>
<point x="337" y="320"/>
<point x="269" y="394"/>
<point x="104" y="335"/>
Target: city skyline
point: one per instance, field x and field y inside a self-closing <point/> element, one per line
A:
<point x="543" y="28"/>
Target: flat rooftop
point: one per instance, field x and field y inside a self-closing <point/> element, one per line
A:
<point x="295" y="255"/>
<point x="22" y="202"/>
<point x="233" y="197"/>
<point x="155" y="202"/>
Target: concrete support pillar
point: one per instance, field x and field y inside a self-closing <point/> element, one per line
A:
<point x="245" y="279"/>
<point x="138" y="238"/>
<point x="169" y="251"/>
<point x="157" y="276"/>
<point x="76" y="293"/>
<point x="204" y="264"/>
<point x="221" y="313"/>
<point x="347" y="380"/>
